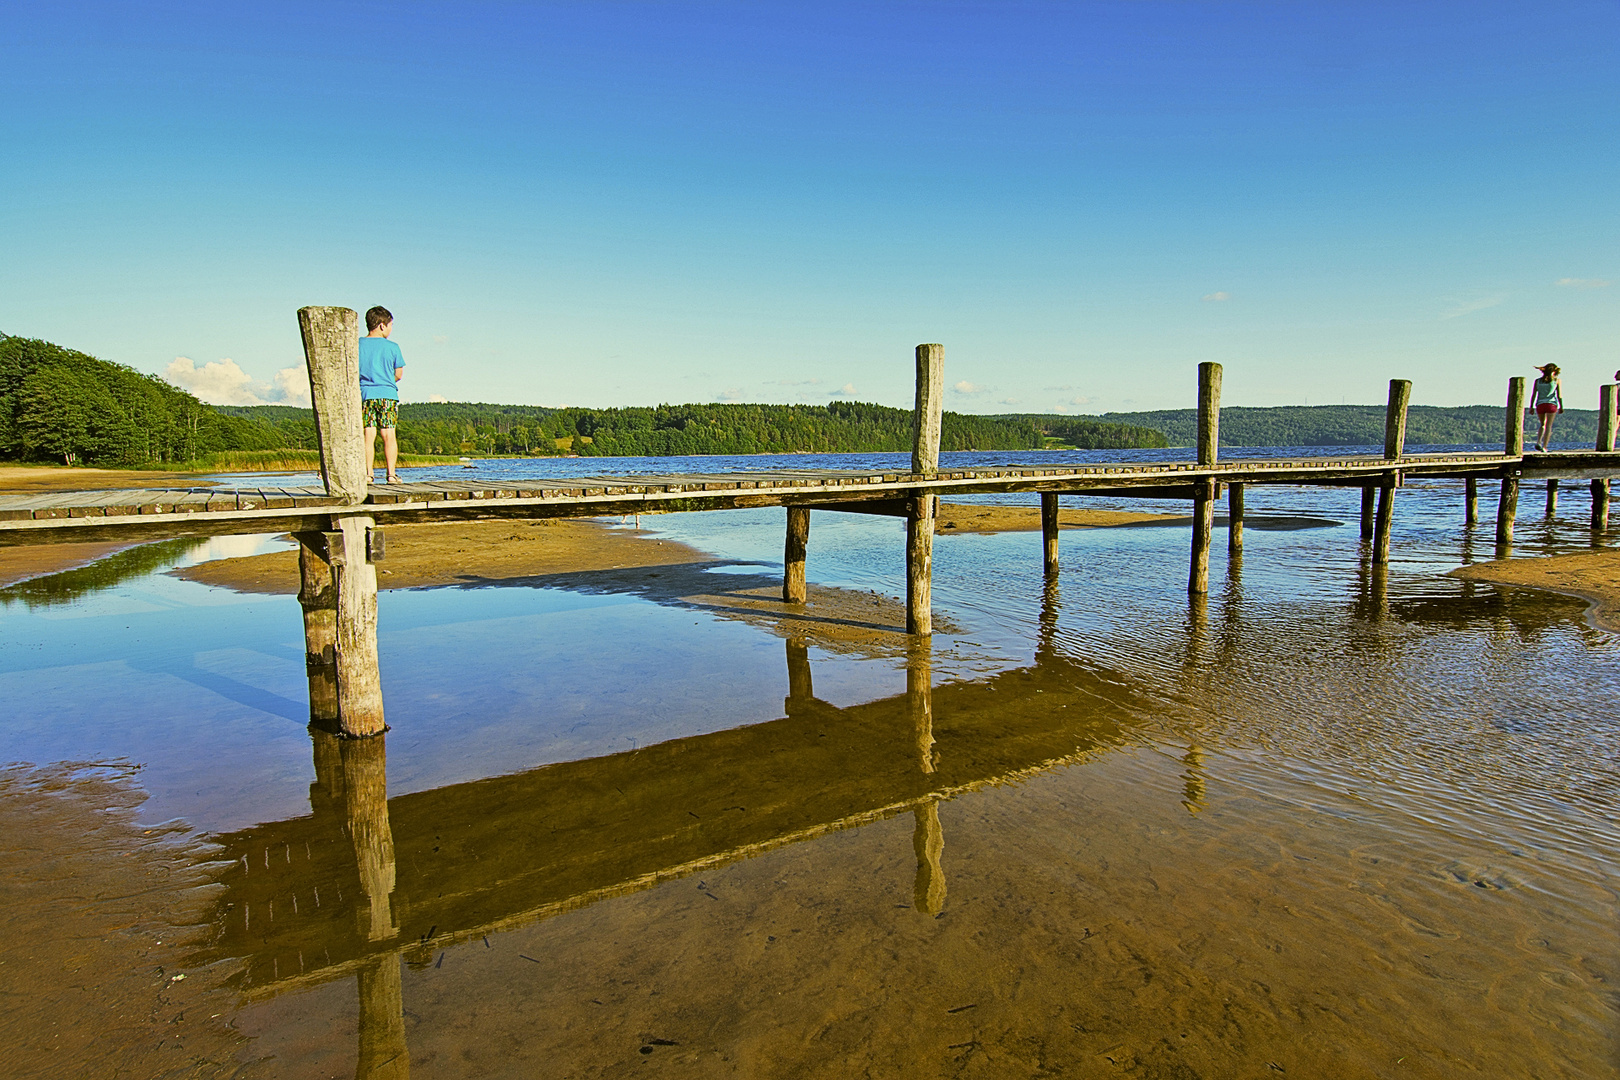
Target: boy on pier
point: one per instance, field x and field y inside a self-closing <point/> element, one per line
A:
<point x="382" y="365"/>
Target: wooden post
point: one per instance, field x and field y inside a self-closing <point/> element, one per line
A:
<point x="794" y="590"/>
<point x="1049" y="529"/>
<point x="1209" y="426"/>
<point x="1507" y="509"/>
<point x="1400" y="395"/>
<point x="1552" y="497"/>
<point x="1234" y="519"/>
<point x="332" y="353"/>
<point x="924" y="462"/>
<point x="1386" y="517"/>
<point x="1607" y="423"/>
<point x="1471" y="503"/>
<point x="930" y="402"/>
<point x="1369" y="497"/>
<point x="360" y="705"/>
<point x="920" y="564"/>
<point x="1513" y="443"/>
<point x="1507" y="504"/>
<point x="317" y="595"/>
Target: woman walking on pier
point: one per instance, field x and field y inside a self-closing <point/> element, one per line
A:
<point x="1549" y="402"/>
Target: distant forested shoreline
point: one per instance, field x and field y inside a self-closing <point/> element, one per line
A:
<point x="1354" y="425"/>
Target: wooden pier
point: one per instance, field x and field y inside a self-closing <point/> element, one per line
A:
<point x="339" y="525"/>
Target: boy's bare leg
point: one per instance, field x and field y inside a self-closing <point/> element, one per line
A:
<point x="391" y="454"/>
<point x="371" y="453"/>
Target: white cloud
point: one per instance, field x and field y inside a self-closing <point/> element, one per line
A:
<point x="440" y="399"/>
<point x="965" y="387"/>
<point x="796" y="382"/>
<point x="223" y="382"/>
<point x="731" y="395"/>
<point x="1217" y="297"/>
<point x="1009" y="401"/>
<point x="1583" y="283"/>
<point x="847" y="390"/>
<point x="1468" y="307"/>
<point x="1079" y="401"/>
<point x="441" y="339"/>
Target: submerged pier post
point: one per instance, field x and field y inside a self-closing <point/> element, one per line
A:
<point x="794" y="589"/>
<point x="331" y="351"/>
<point x="1209" y="424"/>
<point x="1607" y="422"/>
<point x="1552" y="497"/>
<point x="1369" y="499"/>
<point x="1507" y="504"/>
<point x="1471" y="502"/>
<point x="925" y="463"/>
<point x="1400" y="396"/>
<point x="1234" y="519"/>
<point x="1049" y="530"/>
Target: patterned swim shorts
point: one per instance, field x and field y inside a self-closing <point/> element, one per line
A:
<point x="380" y="412"/>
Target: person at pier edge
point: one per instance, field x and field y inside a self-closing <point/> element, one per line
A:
<point x="382" y="365"/>
<point x="1549" y="402"/>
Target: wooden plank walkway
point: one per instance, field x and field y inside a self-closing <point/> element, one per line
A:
<point x="156" y="513"/>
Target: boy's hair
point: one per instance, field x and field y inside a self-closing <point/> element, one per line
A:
<point x="377" y="316"/>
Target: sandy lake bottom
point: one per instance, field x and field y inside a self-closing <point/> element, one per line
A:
<point x="1331" y="823"/>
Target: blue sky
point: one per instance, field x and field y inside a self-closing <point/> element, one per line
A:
<point x="627" y="203"/>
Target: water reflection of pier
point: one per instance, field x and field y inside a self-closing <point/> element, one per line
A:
<point x="363" y="878"/>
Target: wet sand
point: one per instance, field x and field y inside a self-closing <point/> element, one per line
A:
<point x="100" y="917"/>
<point x="1593" y="576"/>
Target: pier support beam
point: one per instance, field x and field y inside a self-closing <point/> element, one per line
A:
<point x="1400" y="396"/>
<point x="1369" y="498"/>
<point x="359" y="681"/>
<point x="1507" y="505"/>
<point x="317" y="595"/>
<point x="926" y="424"/>
<point x="1386" y="519"/>
<point x="1234" y="519"/>
<point x="1471" y="503"/>
<point x="798" y="538"/>
<point x="1209" y="427"/>
<point x="1607" y="423"/>
<point x="1049" y="530"/>
<point x="1552" y="498"/>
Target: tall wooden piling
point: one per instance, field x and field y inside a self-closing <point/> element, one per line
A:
<point x="1209" y="425"/>
<point x="1049" y="530"/>
<point x="360" y="703"/>
<point x="1400" y="396"/>
<point x="1607" y="423"/>
<point x="332" y="353"/>
<point x="1471" y="502"/>
<point x="794" y="589"/>
<point x="1507" y="504"/>
<point x="921" y="509"/>
<point x="1369" y="499"/>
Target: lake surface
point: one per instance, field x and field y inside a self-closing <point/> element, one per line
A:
<point x="1329" y="822"/>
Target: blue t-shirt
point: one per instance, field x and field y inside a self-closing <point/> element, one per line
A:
<point x="378" y="359"/>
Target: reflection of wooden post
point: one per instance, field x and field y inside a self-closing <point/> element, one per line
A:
<point x="359" y="682"/>
<point x="1046" y="637"/>
<point x="801" y="688"/>
<point x="798" y="538"/>
<point x="1209" y="425"/>
<point x="1049" y="530"/>
<point x="1605" y="442"/>
<point x="1369" y="499"/>
<point x="920" y="702"/>
<point x="365" y="778"/>
<point x="383" y="1053"/>
<point x="317" y="595"/>
<point x="1234" y="519"/>
<point x="332" y="351"/>
<point x="928" y="841"/>
<point x="1471" y="503"/>
<point x="1552" y="497"/>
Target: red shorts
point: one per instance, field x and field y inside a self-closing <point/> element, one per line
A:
<point x="1543" y="410"/>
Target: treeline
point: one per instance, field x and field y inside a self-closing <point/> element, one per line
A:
<point x="662" y="430"/>
<point x="60" y="405"/>
<point x="1090" y="433"/>
<point x="1356" y="425"/>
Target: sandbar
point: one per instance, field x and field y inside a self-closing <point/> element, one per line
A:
<point x="1593" y="576"/>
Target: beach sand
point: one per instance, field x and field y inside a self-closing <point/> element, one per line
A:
<point x="1594" y="576"/>
<point x="29" y="479"/>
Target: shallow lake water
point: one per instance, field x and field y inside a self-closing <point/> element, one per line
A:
<point x="1329" y="822"/>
